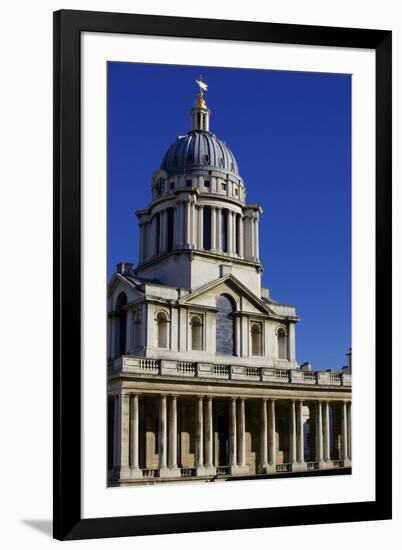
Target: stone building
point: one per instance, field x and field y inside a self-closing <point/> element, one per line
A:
<point x="203" y="380"/>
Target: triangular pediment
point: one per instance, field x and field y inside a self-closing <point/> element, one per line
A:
<point x="120" y="283"/>
<point x="246" y="300"/>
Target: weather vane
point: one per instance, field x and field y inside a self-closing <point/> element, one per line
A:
<point x="202" y="84"/>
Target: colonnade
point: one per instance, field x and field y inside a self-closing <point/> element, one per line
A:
<point x="126" y="444"/>
<point x="242" y="233"/>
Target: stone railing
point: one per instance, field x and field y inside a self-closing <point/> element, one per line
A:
<point x="184" y="369"/>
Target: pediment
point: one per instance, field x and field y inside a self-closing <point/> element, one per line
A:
<point x="119" y="284"/>
<point x="246" y="301"/>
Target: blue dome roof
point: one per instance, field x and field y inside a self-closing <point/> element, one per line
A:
<point x="199" y="151"/>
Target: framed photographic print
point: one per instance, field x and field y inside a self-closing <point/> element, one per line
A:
<point x="222" y="250"/>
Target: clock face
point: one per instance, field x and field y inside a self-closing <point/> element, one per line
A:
<point x="159" y="186"/>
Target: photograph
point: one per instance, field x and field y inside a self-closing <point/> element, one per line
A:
<point x="229" y="341"/>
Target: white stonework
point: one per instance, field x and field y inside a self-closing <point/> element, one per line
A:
<point x="203" y="376"/>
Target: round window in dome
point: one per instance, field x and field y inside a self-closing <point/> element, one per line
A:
<point x="221" y="162"/>
<point x="206" y="159"/>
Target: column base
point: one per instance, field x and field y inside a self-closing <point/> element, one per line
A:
<point x="325" y="464"/>
<point x="299" y="467"/>
<point x="135" y="473"/>
<point x="206" y="471"/>
<point x="263" y="468"/>
<point x="169" y="472"/>
<point x="347" y="463"/>
<point x="237" y="470"/>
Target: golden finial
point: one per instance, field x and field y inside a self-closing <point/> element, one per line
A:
<point x="200" y="102"/>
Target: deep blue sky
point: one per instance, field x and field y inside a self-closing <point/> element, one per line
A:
<point x="291" y="135"/>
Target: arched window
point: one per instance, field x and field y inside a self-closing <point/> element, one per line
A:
<point x="256" y="339"/>
<point x="282" y="343"/>
<point x="121" y="324"/>
<point x="225" y="325"/>
<point x="196" y="332"/>
<point x="162" y="324"/>
<point x="137" y="330"/>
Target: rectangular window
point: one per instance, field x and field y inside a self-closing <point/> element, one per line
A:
<point x="207" y="183"/>
<point x="224" y="230"/>
<point x="170" y="229"/>
<point x="188" y="183"/>
<point x="224" y="185"/>
<point x="206" y="228"/>
<point x="172" y="185"/>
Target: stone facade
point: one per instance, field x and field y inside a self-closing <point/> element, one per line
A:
<point x="202" y="371"/>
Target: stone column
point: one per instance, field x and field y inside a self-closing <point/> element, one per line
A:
<point x="349" y="414"/>
<point x="209" y="434"/>
<point x="173" y="434"/>
<point x="193" y="242"/>
<point x="318" y="435"/>
<point x="234" y="216"/>
<point x="121" y="436"/>
<point x="168" y="432"/>
<point x="181" y="223"/>
<point x="213" y="228"/>
<point x="344" y="431"/>
<point x="232" y="433"/>
<point x="263" y="466"/>
<point x="252" y="236"/>
<point x="300" y="434"/>
<point x="129" y="331"/>
<point x="241" y="237"/>
<point x="199" y="438"/>
<point x="242" y="435"/>
<point x="162" y="447"/>
<point x="230" y="232"/>
<point x="188" y="229"/>
<point x="292" y="342"/>
<point x="293" y="444"/>
<point x="272" y="436"/>
<point x="327" y="433"/>
<point x="177" y="226"/>
<point x="134" y="439"/>
<point x="116" y="433"/>
<point x="256" y="237"/>
<point x="200" y="228"/>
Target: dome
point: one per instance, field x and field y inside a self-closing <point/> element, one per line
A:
<point x="199" y="151"/>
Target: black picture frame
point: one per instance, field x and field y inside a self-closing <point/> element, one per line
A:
<point x="68" y="523"/>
